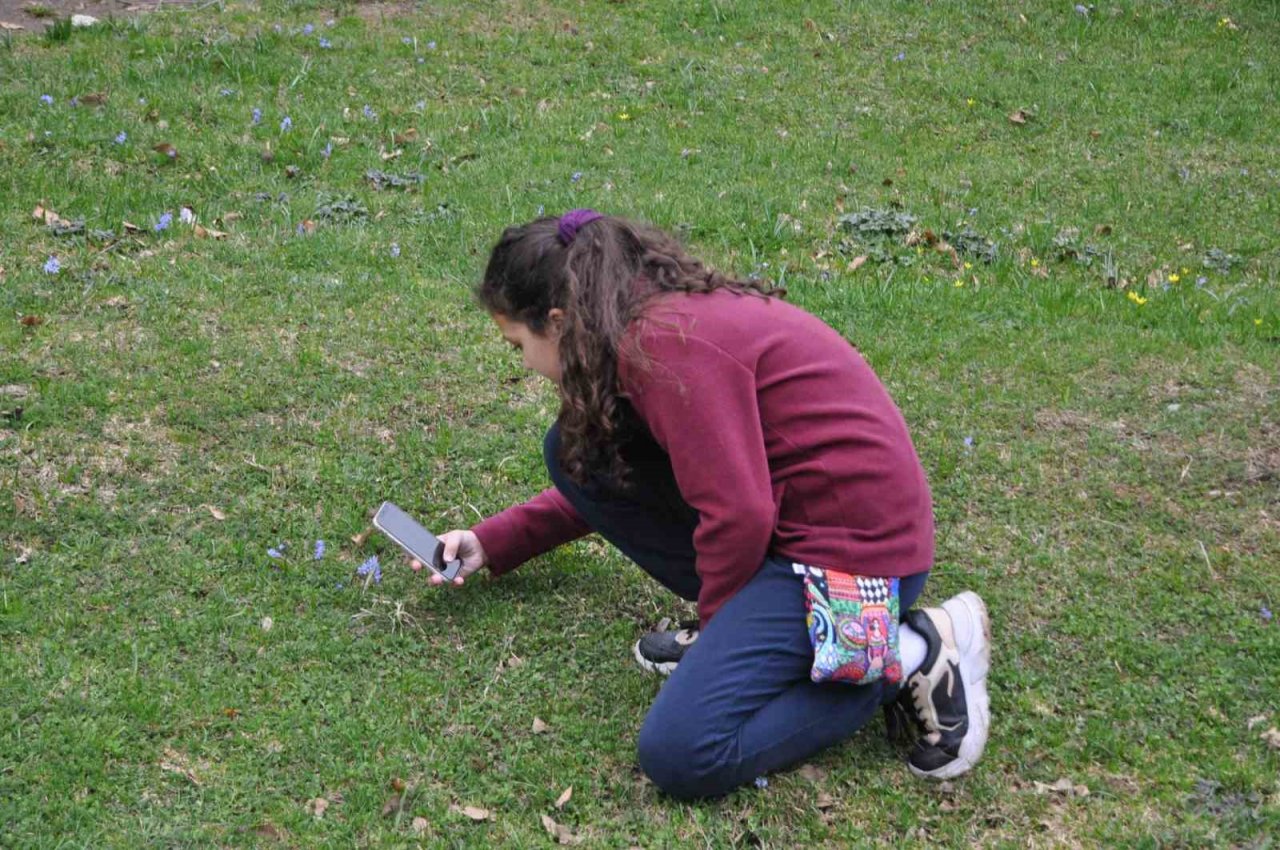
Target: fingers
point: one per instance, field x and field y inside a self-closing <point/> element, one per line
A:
<point x="415" y="564"/>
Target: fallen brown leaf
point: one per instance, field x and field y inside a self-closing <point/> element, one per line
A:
<point x="31" y="321"/>
<point x="1255" y="720"/>
<point x="49" y="217"/>
<point x="1018" y="116"/>
<point x="392" y="805"/>
<point x="564" y="797"/>
<point x="93" y="98"/>
<point x="229" y="217"/>
<point x="419" y="825"/>
<point x="1063" y="786"/>
<point x="397" y="784"/>
<point x="812" y="773"/>
<point x="316" y="808"/>
<point x="130" y="227"/>
<point x="390" y="155"/>
<point x="359" y="539"/>
<point x="203" y="232"/>
<point x="166" y="149"/>
<point x="474" y="812"/>
<point x="410" y="135"/>
<point x="24" y="556"/>
<point x="1272" y="737"/>
<point x="825" y="800"/>
<point x="216" y="512"/>
<point x="560" y="833"/>
<point x="539" y="726"/>
<point x="856" y="263"/>
<point x="176" y="762"/>
<point x="5" y="25"/>
<point x="309" y="227"/>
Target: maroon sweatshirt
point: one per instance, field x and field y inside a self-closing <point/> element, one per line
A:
<point x="780" y="435"/>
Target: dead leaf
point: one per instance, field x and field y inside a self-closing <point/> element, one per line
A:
<point x="269" y="830"/>
<point x="539" y="726"/>
<point x="267" y="624"/>
<point x="93" y="98"/>
<point x="1255" y="720"/>
<point x="1063" y="786"/>
<point x="359" y="539"/>
<point x="825" y="800"/>
<point x="316" y="808"/>
<point x="31" y="321"/>
<point x="229" y="217"/>
<point x="392" y="805"/>
<point x="474" y="812"/>
<point x="397" y="785"/>
<point x="1272" y="737"/>
<point x="1018" y="116"/>
<point x="410" y="135"/>
<point x="232" y="713"/>
<point x="559" y="832"/>
<point x="203" y="232"/>
<point x="419" y="825"/>
<point x="564" y="797"/>
<point x="49" y="217"/>
<point x="166" y="149"/>
<point x="1102" y="230"/>
<point x="856" y="263"/>
<point x="389" y="155"/>
<point x="24" y="556"/>
<point x="130" y="227"/>
<point x="812" y="773"/>
<point x="292" y="171"/>
<point x="217" y="513"/>
<point x="5" y="25"/>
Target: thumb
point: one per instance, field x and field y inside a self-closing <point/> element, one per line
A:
<point x="451" y="542"/>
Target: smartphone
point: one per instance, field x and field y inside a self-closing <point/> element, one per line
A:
<point x="415" y="539"/>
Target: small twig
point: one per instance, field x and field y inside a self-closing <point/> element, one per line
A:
<point x="1209" y="566"/>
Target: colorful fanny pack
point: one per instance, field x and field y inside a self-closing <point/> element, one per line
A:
<point x="853" y="626"/>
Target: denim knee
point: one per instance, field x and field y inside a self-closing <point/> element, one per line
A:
<point x="680" y="762"/>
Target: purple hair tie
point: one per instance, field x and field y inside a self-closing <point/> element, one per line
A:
<point x="571" y="221"/>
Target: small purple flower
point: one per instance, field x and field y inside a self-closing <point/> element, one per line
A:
<point x="1081" y="9"/>
<point x="901" y="55"/>
<point x="286" y="124"/>
<point x="75" y="100"/>
<point x="319" y="550"/>
<point x="431" y="45"/>
<point x="300" y="230"/>
<point x="338" y="585"/>
<point x="761" y="782"/>
<point x="47" y="100"/>
<point x="257" y="116"/>
<point x="371" y="567"/>
<point x="308" y="29"/>
<point x="122" y="138"/>
<point x="1201" y="280"/>
<point x="369" y="113"/>
<point x="52" y="266"/>
<point x="395" y="249"/>
<point x="275" y="552"/>
<point x="328" y="150"/>
<point x="325" y="43"/>
<point x="166" y="219"/>
<point x="226" y="92"/>
<point x="575" y="177"/>
<point x="1266" y="613"/>
<point x="968" y="443"/>
<point x="973" y="211"/>
<point x="421" y="106"/>
<point x="406" y="40"/>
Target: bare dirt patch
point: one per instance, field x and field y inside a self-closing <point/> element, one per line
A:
<point x="37" y="15"/>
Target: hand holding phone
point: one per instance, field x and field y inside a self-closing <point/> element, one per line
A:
<point x="421" y="544"/>
<point x="464" y="546"/>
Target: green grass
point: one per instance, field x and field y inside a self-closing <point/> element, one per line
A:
<point x="1118" y="508"/>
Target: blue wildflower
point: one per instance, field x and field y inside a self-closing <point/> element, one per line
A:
<point x="275" y="553"/>
<point x="75" y="100"/>
<point x="166" y="219"/>
<point x="371" y="567"/>
<point x="325" y="43"/>
<point x="319" y="550"/>
<point x="968" y="442"/>
<point x="122" y="138"/>
<point x="575" y="177"/>
<point x="1082" y="9"/>
<point x="901" y="55"/>
<point x="1266" y="613"/>
<point x="47" y="100"/>
<point x="431" y="45"/>
<point x="395" y="249"/>
<point x="761" y="782"/>
<point x="257" y="115"/>
<point x="1201" y="280"/>
<point x="286" y="124"/>
<point x="300" y="229"/>
<point x="52" y="266"/>
<point x="420" y="105"/>
<point x="308" y="29"/>
<point x="369" y="113"/>
<point x="226" y="92"/>
<point x="328" y="150"/>
<point x="406" y="40"/>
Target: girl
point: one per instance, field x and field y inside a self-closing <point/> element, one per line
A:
<point x="744" y="455"/>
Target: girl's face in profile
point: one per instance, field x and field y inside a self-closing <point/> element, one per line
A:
<point x="541" y="353"/>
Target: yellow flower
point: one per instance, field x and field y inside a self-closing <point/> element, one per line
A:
<point x="1035" y="264"/>
<point x="970" y="102"/>
<point x="1258" y="322"/>
<point x="1136" y="298"/>
<point x="968" y="266"/>
<point x="624" y="116"/>
<point x="1186" y="270"/>
<point x="958" y="284"/>
<point x="1174" y="278"/>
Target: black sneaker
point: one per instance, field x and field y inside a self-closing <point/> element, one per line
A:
<point x="948" y="694"/>
<point x="660" y="651"/>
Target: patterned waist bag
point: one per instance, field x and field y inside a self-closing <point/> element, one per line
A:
<point x="853" y="626"/>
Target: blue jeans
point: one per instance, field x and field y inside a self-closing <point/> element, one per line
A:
<point x="740" y="704"/>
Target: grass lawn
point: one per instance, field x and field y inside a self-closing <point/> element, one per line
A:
<point x="1080" y="320"/>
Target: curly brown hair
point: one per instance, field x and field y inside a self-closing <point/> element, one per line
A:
<point x="601" y="280"/>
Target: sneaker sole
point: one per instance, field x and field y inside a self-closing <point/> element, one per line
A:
<point x="662" y="668"/>
<point x="975" y="662"/>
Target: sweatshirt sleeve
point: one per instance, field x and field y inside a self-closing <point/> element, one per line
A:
<point x="700" y="404"/>
<point x="525" y="531"/>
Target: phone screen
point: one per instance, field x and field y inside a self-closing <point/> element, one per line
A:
<point x="414" y="539"/>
